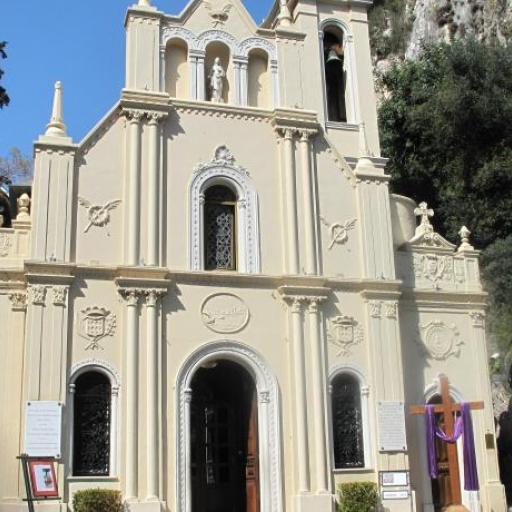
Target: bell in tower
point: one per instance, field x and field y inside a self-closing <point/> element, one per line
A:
<point x="334" y="75"/>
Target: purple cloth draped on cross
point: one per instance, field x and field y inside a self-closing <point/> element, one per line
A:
<point x="464" y="427"/>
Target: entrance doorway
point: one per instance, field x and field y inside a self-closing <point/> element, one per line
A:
<point x="441" y="488"/>
<point x="224" y="439"/>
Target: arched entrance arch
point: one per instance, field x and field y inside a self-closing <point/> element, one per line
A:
<point x="268" y="421"/>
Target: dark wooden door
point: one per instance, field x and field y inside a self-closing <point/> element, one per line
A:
<point x="224" y="440"/>
<point x="441" y="488"/>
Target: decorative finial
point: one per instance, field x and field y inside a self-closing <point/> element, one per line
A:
<point x="364" y="150"/>
<point x="23" y="206"/>
<point x="57" y="128"/>
<point x="464" y="234"/>
<point x="285" y="16"/>
<point x="145" y="3"/>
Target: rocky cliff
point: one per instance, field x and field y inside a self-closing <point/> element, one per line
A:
<point x="400" y="27"/>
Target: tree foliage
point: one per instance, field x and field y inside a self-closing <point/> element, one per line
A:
<point x="447" y="130"/>
<point x="15" y="167"/>
<point x="446" y="127"/>
<point x="4" y="98"/>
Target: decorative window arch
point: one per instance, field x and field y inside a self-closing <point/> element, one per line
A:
<point x="352" y="105"/>
<point x="94" y="366"/>
<point x="271" y="499"/>
<point x="222" y="170"/>
<point x="357" y="409"/>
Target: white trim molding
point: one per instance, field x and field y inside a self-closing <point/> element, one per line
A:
<point x="352" y="103"/>
<point x="271" y="477"/>
<point x="364" y="392"/>
<point x="223" y="170"/>
<point x="103" y="367"/>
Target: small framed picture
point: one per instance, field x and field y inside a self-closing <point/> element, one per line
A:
<point x="42" y="478"/>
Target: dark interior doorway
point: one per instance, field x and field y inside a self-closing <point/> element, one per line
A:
<point x="224" y="439"/>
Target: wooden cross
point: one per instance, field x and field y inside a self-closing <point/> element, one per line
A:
<point x="448" y="409"/>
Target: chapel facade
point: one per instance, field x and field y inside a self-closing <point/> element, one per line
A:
<point x="220" y="290"/>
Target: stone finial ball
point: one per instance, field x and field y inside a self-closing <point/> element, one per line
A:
<point x="456" y="508"/>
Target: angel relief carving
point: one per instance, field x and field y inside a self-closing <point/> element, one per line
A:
<point x="218" y="14"/>
<point x="98" y="216"/>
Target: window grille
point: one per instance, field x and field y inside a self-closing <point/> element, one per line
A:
<point x="91" y="429"/>
<point x="347" y="423"/>
<point x="220" y="229"/>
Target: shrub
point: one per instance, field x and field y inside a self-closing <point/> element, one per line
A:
<point x="97" y="500"/>
<point x="358" y="497"/>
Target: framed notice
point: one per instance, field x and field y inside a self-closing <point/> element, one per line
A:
<point x="394" y="478"/>
<point x="43" y="429"/>
<point x="392" y="436"/>
<point x="395" y="495"/>
<point x="42" y="478"/>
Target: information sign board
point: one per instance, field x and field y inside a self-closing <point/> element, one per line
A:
<point x="43" y="429"/>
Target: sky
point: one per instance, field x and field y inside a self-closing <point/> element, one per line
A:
<point x="79" y="42"/>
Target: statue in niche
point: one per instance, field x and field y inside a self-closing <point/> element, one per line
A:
<point x="216" y="77"/>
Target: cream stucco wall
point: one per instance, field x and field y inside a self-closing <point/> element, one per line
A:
<point x="112" y="226"/>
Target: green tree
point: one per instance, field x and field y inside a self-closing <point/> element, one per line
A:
<point x="446" y="128"/>
<point x="4" y="99"/>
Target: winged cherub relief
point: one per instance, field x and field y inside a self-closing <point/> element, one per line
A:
<point x="98" y="216"/>
<point x="219" y="15"/>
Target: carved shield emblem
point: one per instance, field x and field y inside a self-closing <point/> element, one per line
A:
<point x="95" y="324"/>
<point x="344" y="332"/>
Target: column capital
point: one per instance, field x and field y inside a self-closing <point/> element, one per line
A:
<point x="153" y="295"/>
<point x="18" y="300"/>
<point x="313" y="303"/>
<point x="59" y="295"/>
<point x="477" y="318"/>
<point x="306" y="134"/>
<point x="285" y="133"/>
<point x="133" y="115"/>
<point x="131" y="295"/>
<point x="37" y="294"/>
<point x="155" y="117"/>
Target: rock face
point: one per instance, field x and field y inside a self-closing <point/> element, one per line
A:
<point x="433" y="21"/>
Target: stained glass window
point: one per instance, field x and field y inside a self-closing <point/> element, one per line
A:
<point x="92" y="412"/>
<point x="220" y="228"/>
<point x="347" y="423"/>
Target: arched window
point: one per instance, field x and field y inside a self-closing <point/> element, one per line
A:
<point x="220" y="225"/>
<point x="335" y="74"/>
<point x="347" y="422"/>
<point x="92" y="416"/>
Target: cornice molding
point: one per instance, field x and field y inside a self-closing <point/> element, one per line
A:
<point x="207" y="108"/>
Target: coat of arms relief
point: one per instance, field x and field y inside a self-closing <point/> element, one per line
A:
<point x="344" y="332"/>
<point x="95" y="324"/>
<point x="440" y="340"/>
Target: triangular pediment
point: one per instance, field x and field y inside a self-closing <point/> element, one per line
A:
<point x="227" y="15"/>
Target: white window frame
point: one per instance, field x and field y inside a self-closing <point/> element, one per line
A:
<point x="352" y="103"/>
<point x="222" y="170"/>
<point x="94" y="365"/>
<point x="364" y="393"/>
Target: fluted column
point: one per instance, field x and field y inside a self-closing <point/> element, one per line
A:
<point x="132" y="389"/>
<point x="301" y="421"/>
<point x="319" y="387"/>
<point x="153" y="463"/>
<point x="133" y="204"/>
<point x="153" y="189"/>
<point x="311" y="265"/>
<point x="201" y="79"/>
<point x="291" y="202"/>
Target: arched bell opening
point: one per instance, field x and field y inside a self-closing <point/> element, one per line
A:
<point x="217" y="50"/>
<point x="224" y="458"/>
<point x="177" y="69"/>
<point x="259" y="79"/>
<point x="335" y="74"/>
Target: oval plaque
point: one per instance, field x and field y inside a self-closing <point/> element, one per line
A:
<point x="224" y="313"/>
